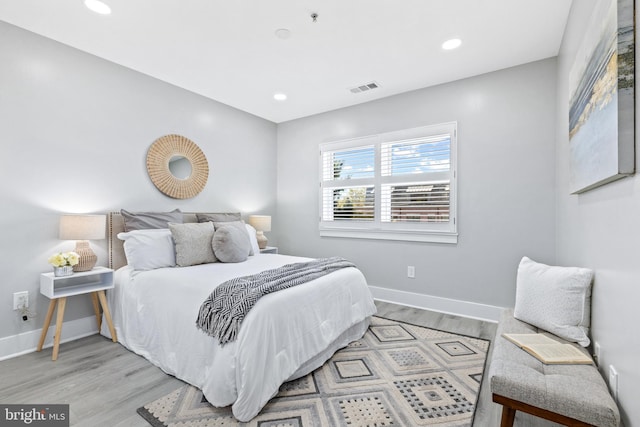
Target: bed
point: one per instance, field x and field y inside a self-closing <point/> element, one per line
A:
<point x="286" y="335"/>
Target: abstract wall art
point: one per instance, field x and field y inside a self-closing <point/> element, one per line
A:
<point x="601" y="99"/>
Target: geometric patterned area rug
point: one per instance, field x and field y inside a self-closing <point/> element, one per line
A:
<point x="398" y="374"/>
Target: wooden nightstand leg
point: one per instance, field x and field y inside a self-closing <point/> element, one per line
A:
<point x="96" y="309"/>
<point x="107" y="314"/>
<point x="62" y="302"/>
<point x="47" y="322"/>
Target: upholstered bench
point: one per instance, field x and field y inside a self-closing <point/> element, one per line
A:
<point x="573" y="395"/>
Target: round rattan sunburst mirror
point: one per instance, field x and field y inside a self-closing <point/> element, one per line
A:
<point x="169" y="149"/>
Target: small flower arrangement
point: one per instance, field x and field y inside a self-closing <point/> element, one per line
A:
<point x="62" y="259"/>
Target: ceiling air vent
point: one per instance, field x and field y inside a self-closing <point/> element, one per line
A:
<point x="365" y="87"/>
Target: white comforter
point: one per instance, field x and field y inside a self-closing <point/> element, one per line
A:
<point x="287" y="334"/>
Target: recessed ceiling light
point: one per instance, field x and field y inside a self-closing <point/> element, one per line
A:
<point x="98" y="7"/>
<point x="451" y="44"/>
<point x="283" y="33"/>
<point x="280" y="97"/>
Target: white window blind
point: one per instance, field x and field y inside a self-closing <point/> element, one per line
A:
<point x="348" y="191"/>
<point x="423" y="164"/>
<point x="398" y="185"/>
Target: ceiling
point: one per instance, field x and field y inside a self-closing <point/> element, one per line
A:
<point x="228" y="50"/>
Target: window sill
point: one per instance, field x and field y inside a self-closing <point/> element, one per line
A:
<point x="407" y="236"/>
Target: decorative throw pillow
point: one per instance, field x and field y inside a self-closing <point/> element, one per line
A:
<point x="150" y="220"/>
<point x="219" y="217"/>
<point x="556" y="299"/>
<point x="230" y="244"/>
<point x="240" y="225"/>
<point x="149" y="249"/>
<point x="193" y="243"/>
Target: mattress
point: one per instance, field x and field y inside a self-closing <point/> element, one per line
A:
<point x="287" y="334"/>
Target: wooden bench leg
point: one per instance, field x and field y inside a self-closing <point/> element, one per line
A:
<point x="510" y="406"/>
<point x="508" y="417"/>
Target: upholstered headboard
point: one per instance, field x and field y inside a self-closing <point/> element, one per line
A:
<point x="115" y="225"/>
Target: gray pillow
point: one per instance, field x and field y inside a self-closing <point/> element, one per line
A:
<point x="219" y="217"/>
<point x="240" y="225"/>
<point x="193" y="243"/>
<point x="149" y="220"/>
<point x="230" y="244"/>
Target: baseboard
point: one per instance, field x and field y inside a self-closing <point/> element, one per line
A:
<point x="490" y="313"/>
<point x="27" y="342"/>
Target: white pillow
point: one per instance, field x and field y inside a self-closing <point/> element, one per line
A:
<point x="149" y="249"/>
<point x="255" y="249"/>
<point x="556" y="299"/>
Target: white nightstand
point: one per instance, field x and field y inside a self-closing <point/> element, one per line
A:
<point x="59" y="288"/>
<point x="269" y="250"/>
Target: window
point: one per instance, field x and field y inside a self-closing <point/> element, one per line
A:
<point x="397" y="186"/>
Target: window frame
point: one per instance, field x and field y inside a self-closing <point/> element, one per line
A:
<point x="436" y="232"/>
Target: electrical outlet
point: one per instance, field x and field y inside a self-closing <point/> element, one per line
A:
<point x="613" y="382"/>
<point x="596" y="352"/>
<point x="20" y="300"/>
<point x="411" y="272"/>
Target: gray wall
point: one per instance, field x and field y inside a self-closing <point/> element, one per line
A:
<point x="75" y="131"/>
<point x="506" y="179"/>
<point x="600" y="229"/>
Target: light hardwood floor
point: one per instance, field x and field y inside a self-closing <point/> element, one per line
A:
<point x="104" y="383"/>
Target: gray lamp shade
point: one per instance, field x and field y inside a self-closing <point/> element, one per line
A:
<point x="83" y="227"/>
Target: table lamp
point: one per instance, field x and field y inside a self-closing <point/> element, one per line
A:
<point x="261" y="223"/>
<point x="83" y="228"/>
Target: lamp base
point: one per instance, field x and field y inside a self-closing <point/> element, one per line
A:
<point x="87" y="257"/>
<point x="262" y="240"/>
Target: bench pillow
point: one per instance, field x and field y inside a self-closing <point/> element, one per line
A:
<point x="556" y="299"/>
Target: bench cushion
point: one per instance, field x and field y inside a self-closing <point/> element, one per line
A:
<point x="576" y="391"/>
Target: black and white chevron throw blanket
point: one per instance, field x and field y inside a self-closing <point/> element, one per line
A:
<point x="224" y="310"/>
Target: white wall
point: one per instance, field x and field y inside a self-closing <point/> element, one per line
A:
<point x="75" y="131"/>
<point x="600" y="229"/>
<point x="506" y="129"/>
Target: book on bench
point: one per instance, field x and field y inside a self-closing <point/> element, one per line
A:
<point x="549" y="351"/>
